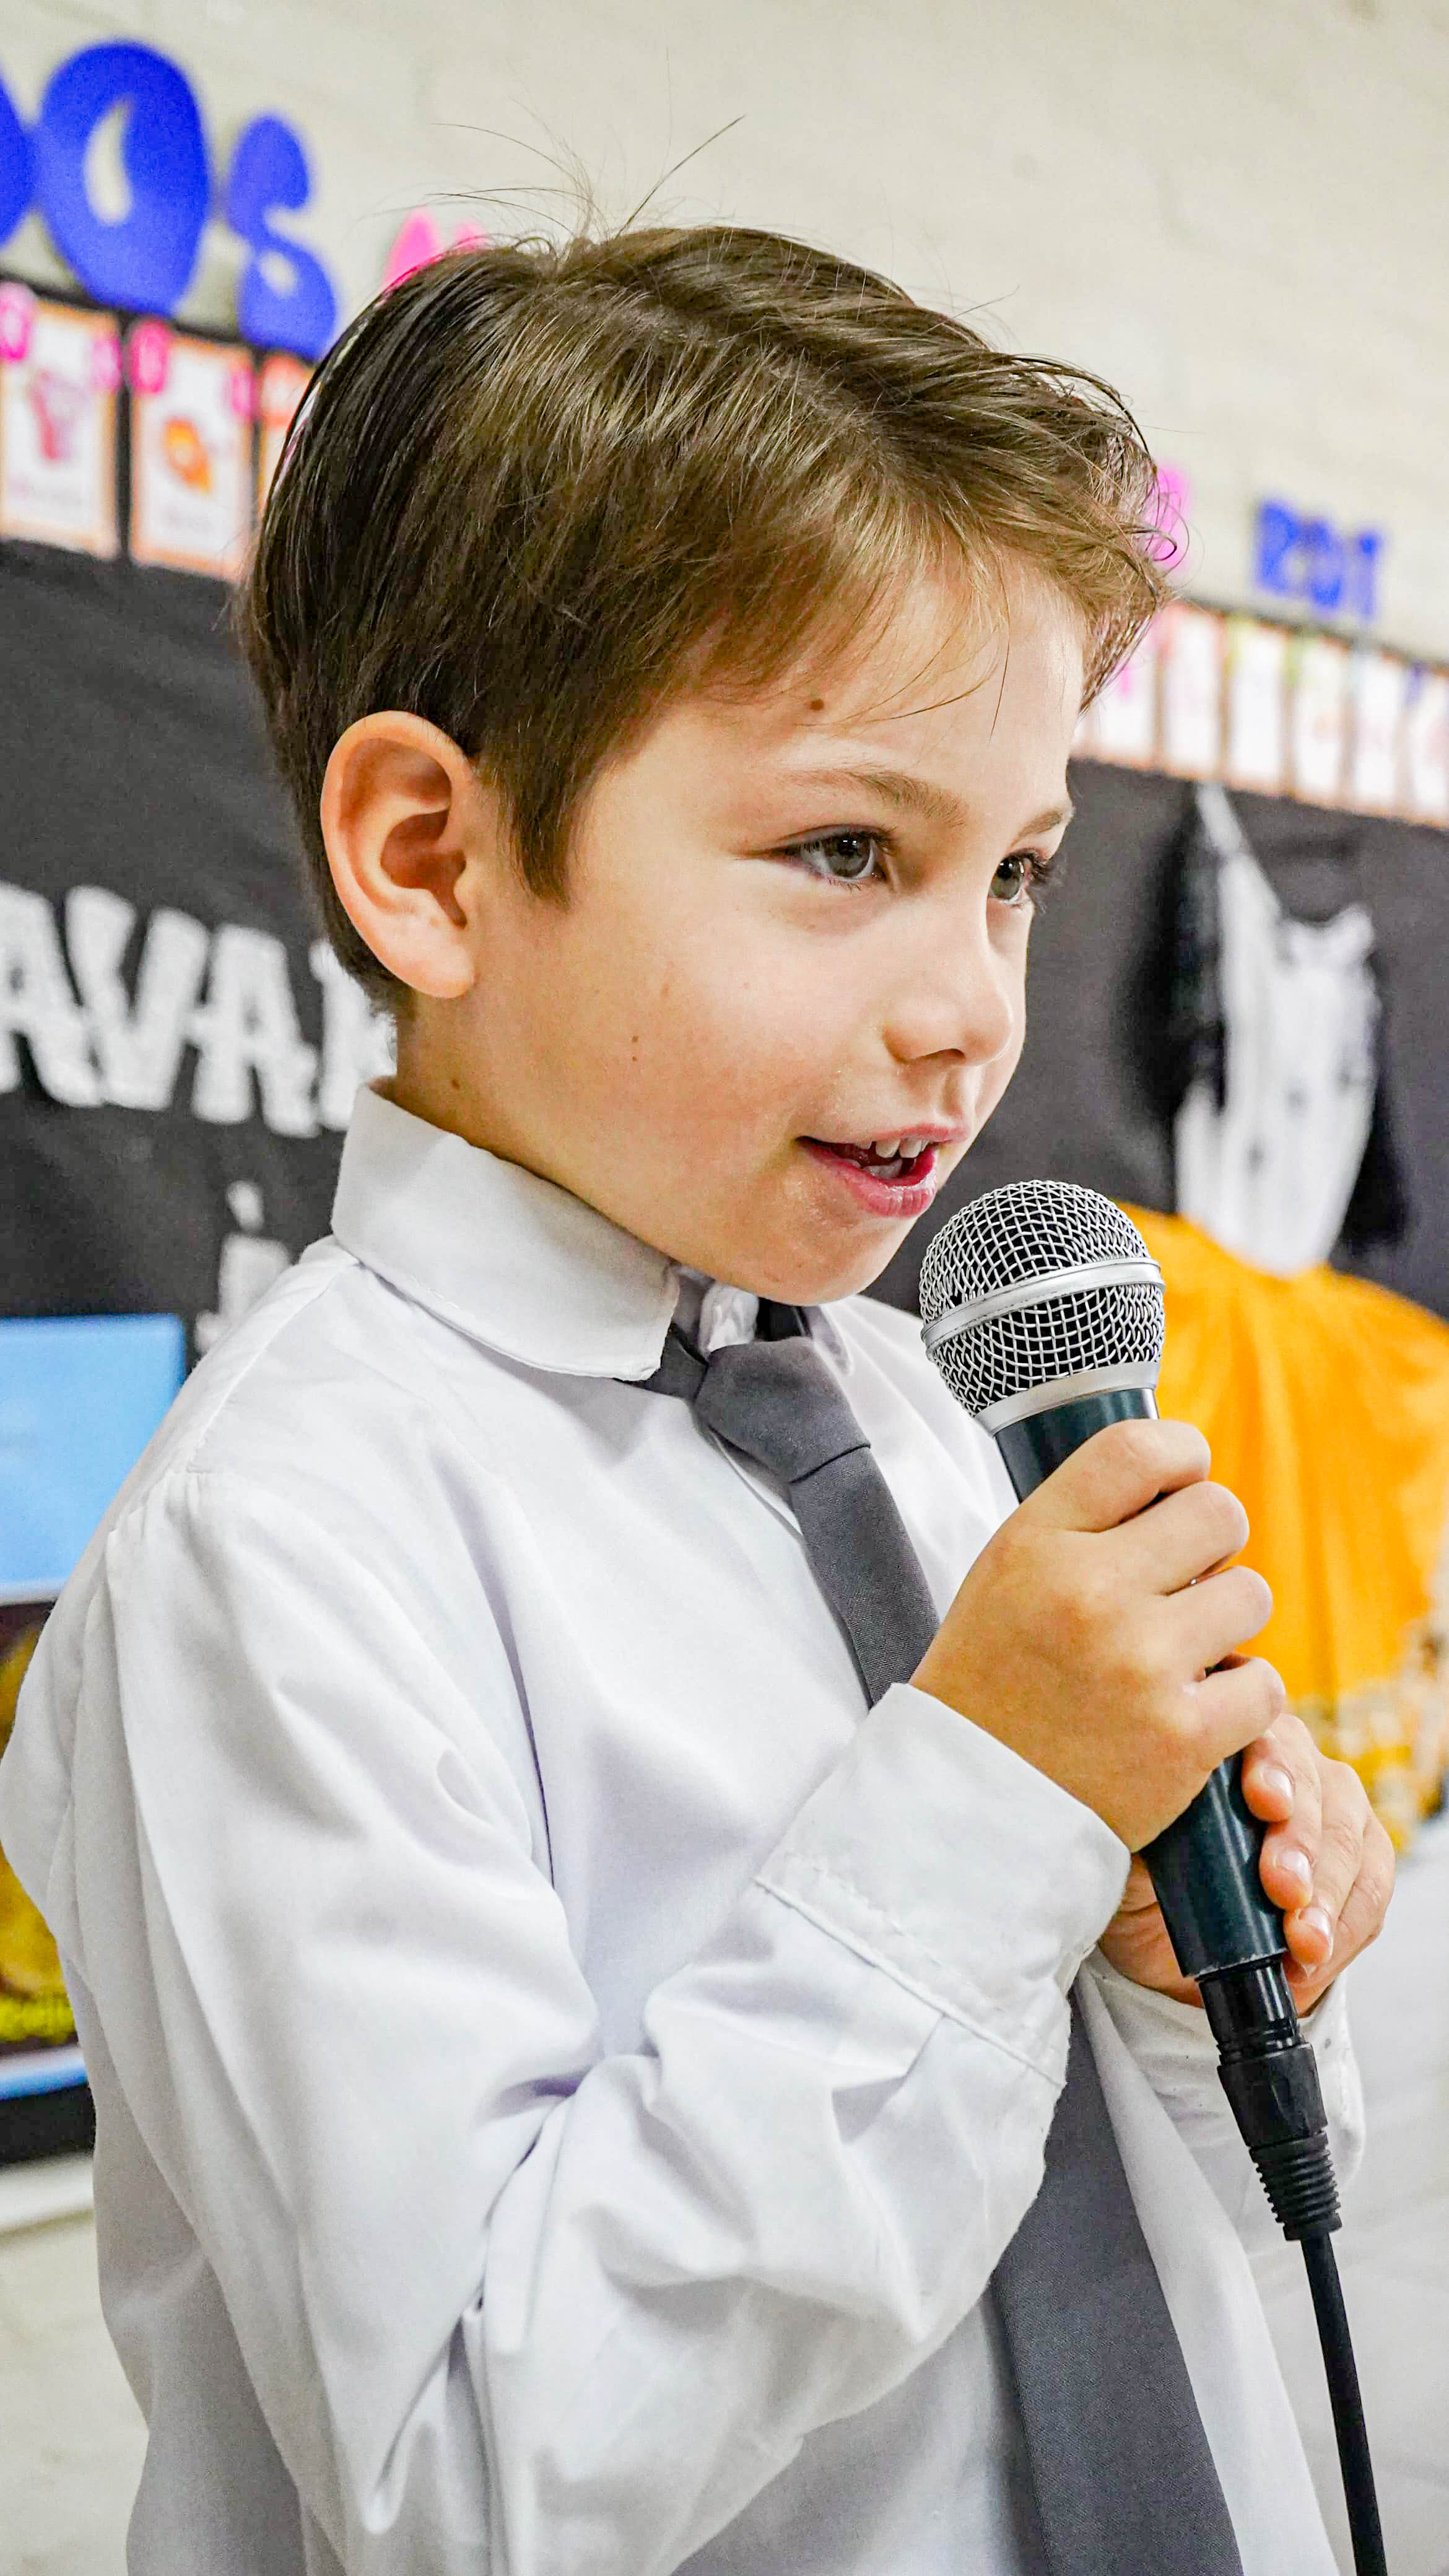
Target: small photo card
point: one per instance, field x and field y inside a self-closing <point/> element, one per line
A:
<point x="1190" y="690"/>
<point x="1255" y="664"/>
<point x="1318" y="671"/>
<point x="1426" y="748"/>
<point x="59" y="370"/>
<point x="1124" y="717"/>
<point x="191" y="451"/>
<point x="1378" y="687"/>
<point x="282" y="382"/>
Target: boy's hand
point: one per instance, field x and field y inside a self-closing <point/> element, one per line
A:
<point x="1087" y="1633"/>
<point x="1327" y="1861"/>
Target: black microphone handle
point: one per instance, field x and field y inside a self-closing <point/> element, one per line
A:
<point x="1204" y="1867"/>
<point x="1223" y="1930"/>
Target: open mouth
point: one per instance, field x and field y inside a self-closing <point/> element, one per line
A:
<point x="890" y="1176"/>
<point x="894" y="1158"/>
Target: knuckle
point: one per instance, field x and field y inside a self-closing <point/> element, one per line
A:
<point x="1224" y="1518"/>
<point x="1341" y="1842"/>
<point x="1257" y="1600"/>
<point x="1187" y="1445"/>
<point x="1378" y="1869"/>
<point x="1188" y="1721"/>
<point x="1297" y="1743"/>
<point x="1244" y="1601"/>
<point x="1137" y="1448"/>
<point x="1270" y="1685"/>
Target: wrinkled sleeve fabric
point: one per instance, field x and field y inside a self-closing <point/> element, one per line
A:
<point x="505" y="2300"/>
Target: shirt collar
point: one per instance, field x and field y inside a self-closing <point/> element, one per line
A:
<point x="512" y="1260"/>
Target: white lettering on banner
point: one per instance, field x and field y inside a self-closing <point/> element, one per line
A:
<point x="91" y="1041"/>
<point x="139" y="1046"/>
<point x="247" y="1027"/>
<point x="357" y="1044"/>
<point x="37" y="1004"/>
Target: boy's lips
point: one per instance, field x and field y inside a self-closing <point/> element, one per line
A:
<point x="897" y="1184"/>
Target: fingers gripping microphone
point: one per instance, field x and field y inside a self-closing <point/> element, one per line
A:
<point x="1043" y="1310"/>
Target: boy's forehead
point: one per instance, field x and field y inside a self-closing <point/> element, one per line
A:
<point x="945" y="675"/>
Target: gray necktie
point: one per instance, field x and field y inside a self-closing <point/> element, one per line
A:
<point x="1123" y="2477"/>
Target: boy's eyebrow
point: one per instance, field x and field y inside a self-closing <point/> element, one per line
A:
<point x="915" y="795"/>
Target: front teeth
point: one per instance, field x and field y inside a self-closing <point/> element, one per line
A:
<point x="886" y="1150"/>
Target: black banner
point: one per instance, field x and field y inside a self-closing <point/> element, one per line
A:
<point x="178" y="1051"/>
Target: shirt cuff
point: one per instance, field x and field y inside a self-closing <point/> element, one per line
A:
<point x="968" y="1876"/>
<point x="1173" y="2042"/>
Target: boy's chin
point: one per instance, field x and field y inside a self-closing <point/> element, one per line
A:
<point x="819" y="1278"/>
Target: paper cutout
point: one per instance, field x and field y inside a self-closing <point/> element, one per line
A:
<point x="1124" y="719"/>
<point x="1190" y="683"/>
<point x="1255" y="748"/>
<point x="1379" y="686"/>
<point x="1426" y="748"/>
<point x="191" y="453"/>
<point x="280" y="387"/>
<point x="1171" y="502"/>
<point x="58" y="374"/>
<point x="420" y="241"/>
<point x="1318" y="718"/>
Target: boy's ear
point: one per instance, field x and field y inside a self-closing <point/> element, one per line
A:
<point x="409" y="829"/>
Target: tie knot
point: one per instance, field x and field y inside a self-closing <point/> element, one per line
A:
<point x="779" y="1403"/>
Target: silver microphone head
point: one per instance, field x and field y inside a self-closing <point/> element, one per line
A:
<point x="1037" y="1293"/>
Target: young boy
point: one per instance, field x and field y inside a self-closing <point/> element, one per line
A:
<point x="567" y="2068"/>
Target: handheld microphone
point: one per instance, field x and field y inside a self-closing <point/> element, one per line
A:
<point x="1043" y="1310"/>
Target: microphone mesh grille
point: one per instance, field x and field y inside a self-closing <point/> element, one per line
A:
<point x="1033" y="1230"/>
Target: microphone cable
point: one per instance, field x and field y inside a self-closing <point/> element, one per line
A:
<point x="1349" y="2429"/>
<point x="1269" y="2073"/>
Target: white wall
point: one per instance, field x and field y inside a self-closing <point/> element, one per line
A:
<point x="1238" y="209"/>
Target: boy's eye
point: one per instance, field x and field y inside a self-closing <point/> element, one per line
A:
<point x="1023" y="878"/>
<point x="842" y="858"/>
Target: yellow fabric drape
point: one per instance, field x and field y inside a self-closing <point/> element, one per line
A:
<point x="33" y="2005"/>
<point x="1326" y="1401"/>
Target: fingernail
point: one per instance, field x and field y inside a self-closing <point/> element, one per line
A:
<point x="1313" y="1919"/>
<point x="1276" y="1780"/>
<point x="1294" y="1865"/>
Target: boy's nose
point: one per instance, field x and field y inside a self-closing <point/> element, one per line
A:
<point x="956" y="995"/>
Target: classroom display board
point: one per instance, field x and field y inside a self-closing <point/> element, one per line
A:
<point x="1101" y="1076"/>
<point x="1278" y="711"/>
<point x="94" y="408"/>
<point x="179" y="1052"/>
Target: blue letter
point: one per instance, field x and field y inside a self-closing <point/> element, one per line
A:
<point x="1362" y="586"/>
<point x="14" y="167"/>
<point x="144" y="262"/>
<point x="1278" y="534"/>
<point x="269" y="168"/>
<point x="1322" y="563"/>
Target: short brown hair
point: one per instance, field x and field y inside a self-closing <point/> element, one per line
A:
<point x="535" y="487"/>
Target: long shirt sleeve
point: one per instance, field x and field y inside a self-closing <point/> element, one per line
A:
<point x="496" y="2289"/>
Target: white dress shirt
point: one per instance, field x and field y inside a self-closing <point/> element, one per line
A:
<point x="565" y="2071"/>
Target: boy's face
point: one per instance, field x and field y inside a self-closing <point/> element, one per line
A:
<point x="796" y="933"/>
